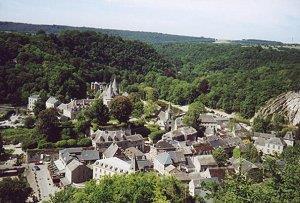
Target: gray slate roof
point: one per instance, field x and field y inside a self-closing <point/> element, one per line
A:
<point x="89" y="155"/>
<point x="206" y="160"/>
<point x="164" y="158"/>
<point x="52" y="100"/>
<point x="111" y="150"/>
<point x="73" y="164"/>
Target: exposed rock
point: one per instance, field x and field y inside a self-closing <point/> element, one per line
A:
<point x="287" y="104"/>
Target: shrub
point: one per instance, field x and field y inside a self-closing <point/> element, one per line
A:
<point x="71" y="143"/>
<point x="84" y="142"/>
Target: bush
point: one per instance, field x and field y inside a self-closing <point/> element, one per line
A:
<point x="84" y="142"/>
<point x="43" y="144"/>
<point x="61" y="144"/>
<point x="29" y="122"/>
<point x="156" y="135"/>
<point x="71" y="143"/>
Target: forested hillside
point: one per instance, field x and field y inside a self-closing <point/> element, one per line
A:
<point x="150" y="37"/>
<point x="228" y="77"/>
<point x="240" y="78"/>
<point x="62" y="64"/>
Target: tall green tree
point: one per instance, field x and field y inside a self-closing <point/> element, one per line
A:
<point x="48" y="124"/>
<point x="38" y="107"/>
<point x="220" y="156"/>
<point x="121" y="108"/>
<point x="98" y="113"/>
<point x="191" y="118"/>
<point x="14" y="190"/>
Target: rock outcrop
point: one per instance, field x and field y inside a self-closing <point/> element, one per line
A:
<point x="287" y="104"/>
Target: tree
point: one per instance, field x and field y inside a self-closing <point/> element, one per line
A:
<point x="135" y="187"/>
<point x="14" y="190"/>
<point x="260" y="124"/>
<point x="191" y="118"/>
<point x="38" y="107"/>
<point x="48" y="124"/>
<point x="151" y="93"/>
<point x="121" y="108"/>
<point x="82" y="125"/>
<point x="277" y="121"/>
<point x="29" y="122"/>
<point x="1" y="144"/>
<point x="220" y="156"/>
<point x="149" y="108"/>
<point x="98" y="113"/>
<point x="251" y="154"/>
<point x="138" y="109"/>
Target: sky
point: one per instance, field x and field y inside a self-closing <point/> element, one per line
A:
<point x="277" y="20"/>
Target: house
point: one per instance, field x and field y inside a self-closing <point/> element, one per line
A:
<point x="131" y="152"/>
<point x="182" y="134"/>
<point x="32" y="101"/>
<point x="104" y="138"/>
<point x="210" y="124"/>
<point x="65" y="156"/>
<point x="243" y="166"/>
<point x="166" y="119"/>
<point x="233" y="142"/>
<point x="163" y="160"/>
<point x="195" y="188"/>
<point x="88" y="156"/>
<point x="289" y="138"/>
<point x="202" y="148"/>
<point x="113" y="151"/>
<point x="77" y="172"/>
<point x="110" y="92"/>
<point x="163" y="146"/>
<point x="241" y="132"/>
<point x="216" y="141"/>
<point x="124" y="139"/>
<point x="52" y="102"/>
<point x="271" y="146"/>
<point x="76" y="106"/>
<point x="61" y="108"/>
<point x="257" y="135"/>
<point x="202" y="162"/>
<point x="218" y="172"/>
<point x="178" y="123"/>
<point x="110" y="166"/>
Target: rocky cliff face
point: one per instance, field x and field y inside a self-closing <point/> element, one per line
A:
<point x="287" y="104"/>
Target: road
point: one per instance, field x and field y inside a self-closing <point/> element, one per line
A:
<point x="41" y="182"/>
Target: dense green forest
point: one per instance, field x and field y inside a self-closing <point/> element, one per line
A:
<point x="239" y="78"/>
<point x="150" y="37"/>
<point x="61" y="65"/>
<point x="228" y="77"/>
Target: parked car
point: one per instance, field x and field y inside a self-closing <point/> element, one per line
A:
<point x="36" y="168"/>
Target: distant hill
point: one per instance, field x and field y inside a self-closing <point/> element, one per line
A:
<point x="257" y="41"/>
<point x="149" y="37"/>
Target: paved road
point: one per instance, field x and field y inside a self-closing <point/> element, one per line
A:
<point x="43" y="181"/>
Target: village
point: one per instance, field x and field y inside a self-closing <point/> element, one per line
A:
<point x="191" y="155"/>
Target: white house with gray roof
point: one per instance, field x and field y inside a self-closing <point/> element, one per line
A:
<point x="32" y="101"/>
<point x="110" y="166"/>
<point x="52" y="102"/>
<point x="202" y="162"/>
<point x="77" y="172"/>
<point x="270" y="146"/>
<point x="181" y="134"/>
<point x="210" y="124"/>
